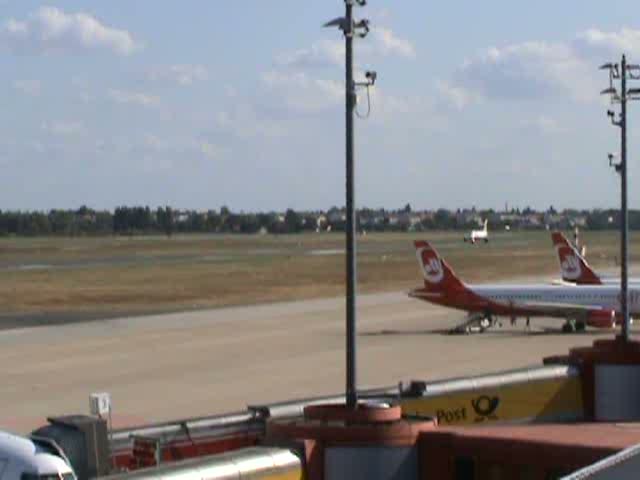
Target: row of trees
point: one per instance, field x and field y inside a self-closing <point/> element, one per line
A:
<point x="127" y="220"/>
<point x="144" y="220"/>
<point x="165" y="220"/>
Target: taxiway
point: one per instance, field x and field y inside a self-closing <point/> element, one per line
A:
<point x="171" y="366"/>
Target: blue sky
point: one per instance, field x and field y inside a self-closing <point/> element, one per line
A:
<point x="205" y="103"/>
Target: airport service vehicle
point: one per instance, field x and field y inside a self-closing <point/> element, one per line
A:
<point x="580" y="306"/>
<point x="32" y="459"/>
<point x="477" y="235"/>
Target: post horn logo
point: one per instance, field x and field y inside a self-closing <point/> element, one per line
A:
<point x="431" y="266"/>
<point x="485" y="408"/>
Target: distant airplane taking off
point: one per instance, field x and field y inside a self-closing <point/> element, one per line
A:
<point x="478" y="234"/>
<point x="579" y="306"/>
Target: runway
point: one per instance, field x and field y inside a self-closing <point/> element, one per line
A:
<point x="172" y="366"/>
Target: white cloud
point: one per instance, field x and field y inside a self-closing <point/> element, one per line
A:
<point x="545" y="124"/>
<point x="15" y="28"/>
<point x="64" y="127"/>
<point x="533" y="70"/>
<point x="243" y="121"/>
<point x="183" y="75"/>
<point x="320" y="54"/>
<point x="595" y="41"/>
<point x="302" y="92"/>
<point x="181" y="146"/>
<point x="28" y="87"/>
<point x="382" y="42"/>
<point x="524" y="71"/>
<point x="388" y="43"/>
<point x="294" y="88"/>
<point x="50" y="29"/>
<point x="134" y="98"/>
<point x="398" y="114"/>
<point x="458" y="97"/>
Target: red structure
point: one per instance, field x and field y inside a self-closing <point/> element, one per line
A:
<point x="368" y="432"/>
<point x="524" y="451"/>
<point x="609" y="353"/>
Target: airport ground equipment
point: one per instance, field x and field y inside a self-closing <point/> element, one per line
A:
<point x="84" y="439"/>
<point x="32" y="458"/>
<point x="476" y="322"/>
<point x="256" y="463"/>
<point x="132" y="448"/>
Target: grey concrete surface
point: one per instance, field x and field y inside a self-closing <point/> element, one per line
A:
<point x="171" y="366"/>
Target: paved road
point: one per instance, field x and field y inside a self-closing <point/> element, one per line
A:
<point x="198" y="363"/>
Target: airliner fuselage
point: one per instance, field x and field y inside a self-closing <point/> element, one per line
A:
<point x="522" y="299"/>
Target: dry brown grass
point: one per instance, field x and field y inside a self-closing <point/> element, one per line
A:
<point x="155" y="273"/>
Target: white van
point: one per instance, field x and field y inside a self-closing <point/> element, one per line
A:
<point x="32" y="459"/>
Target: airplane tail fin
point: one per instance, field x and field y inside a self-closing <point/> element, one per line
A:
<point x="438" y="275"/>
<point x="486" y="222"/>
<point x="574" y="267"/>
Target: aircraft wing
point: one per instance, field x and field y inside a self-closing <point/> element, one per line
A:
<point x="563" y="309"/>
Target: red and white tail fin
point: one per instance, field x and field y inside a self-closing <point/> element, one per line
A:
<point x="438" y="276"/>
<point x="574" y="267"/>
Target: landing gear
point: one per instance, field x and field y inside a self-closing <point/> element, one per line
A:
<point x="486" y="240"/>
<point x="573" y="326"/>
<point x="569" y="327"/>
<point x="476" y="323"/>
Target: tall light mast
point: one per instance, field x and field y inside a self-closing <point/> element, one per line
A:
<point x="351" y="29"/>
<point x="622" y="73"/>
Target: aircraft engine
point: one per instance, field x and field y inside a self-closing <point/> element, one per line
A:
<point x="603" y="319"/>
